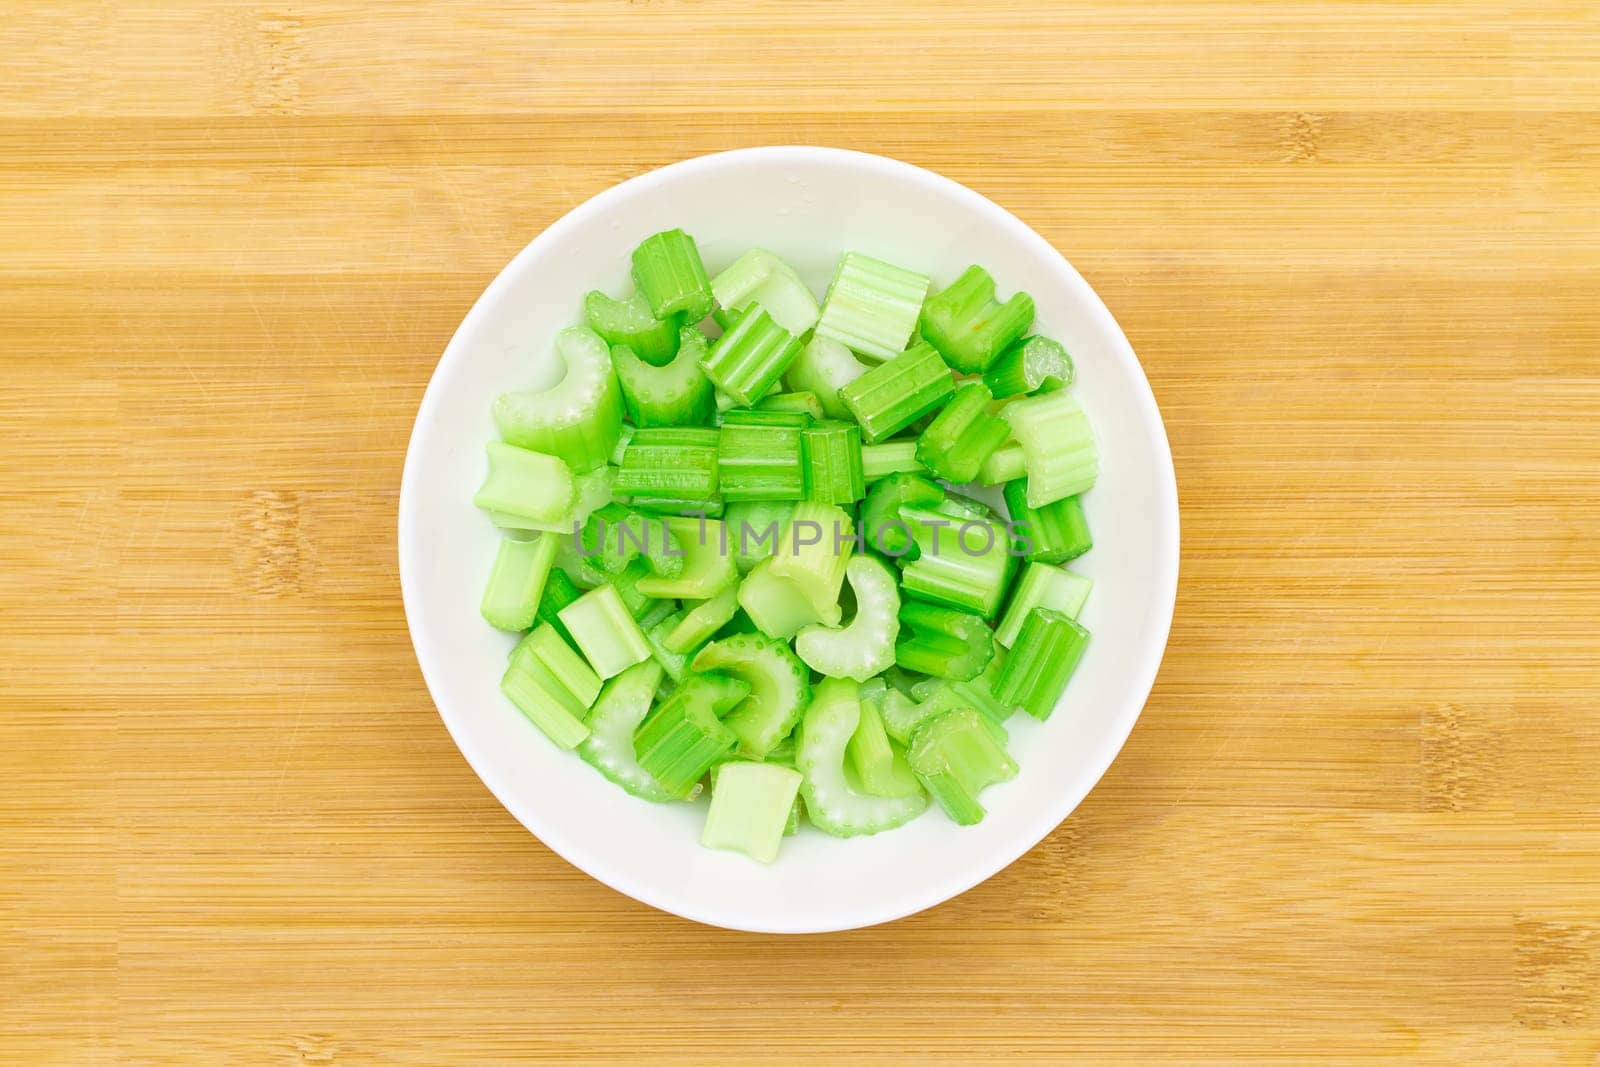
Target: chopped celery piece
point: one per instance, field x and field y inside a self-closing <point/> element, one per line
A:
<point x="1045" y="654"/>
<point x="823" y="367"/>
<point x="526" y="485"/>
<point x="833" y="804"/>
<point x="968" y="326"/>
<point x="630" y="323"/>
<point x="942" y="641"/>
<point x="893" y="395"/>
<point x="670" y="276"/>
<point x="679" y="741"/>
<point x="1032" y="364"/>
<point x="516" y="582"/>
<point x="559" y="591"/>
<point x="551" y="685"/>
<point x="750" y="806"/>
<point x="779" y="606"/>
<point x="962" y="435"/>
<point x="814" y="550"/>
<point x="747" y="361"/>
<point x="701" y="621"/>
<point x="526" y="690"/>
<point x="626" y="583"/>
<point x="956" y="757"/>
<point x="623" y="704"/>
<point x="1042" y="586"/>
<point x="759" y="277"/>
<point x="579" y="418"/>
<point x="753" y="529"/>
<point x="677" y="464"/>
<point x="707" y="567"/>
<point x="779" y="688"/>
<point x="1052" y="533"/>
<point x="1058" y="445"/>
<point x="865" y="646"/>
<point x="676" y="664"/>
<point x="961" y="562"/>
<point x="833" y="462"/>
<point x="871" y="306"/>
<point x="879" y="769"/>
<point x="761" y="455"/>
<point x="882" y="521"/>
<point x="590" y="491"/>
<point x="891" y="457"/>
<point x="619" y="535"/>
<point x="605" y="631"/>
<point x="804" y="403"/>
<point x="675" y="394"/>
<point x="901" y="714"/>
<point x="1005" y="464"/>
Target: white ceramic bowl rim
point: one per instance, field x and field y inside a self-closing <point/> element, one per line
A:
<point x="1141" y="671"/>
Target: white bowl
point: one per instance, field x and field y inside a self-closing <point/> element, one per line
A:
<point x="808" y="205"/>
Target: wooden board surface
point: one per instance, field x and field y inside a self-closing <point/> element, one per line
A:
<point x="1357" y="246"/>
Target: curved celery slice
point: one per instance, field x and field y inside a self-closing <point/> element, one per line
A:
<point x="956" y="756"/>
<point x="527" y="485"/>
<point x="823" y="367"/>
<point x="833" y="803"/>
<point x="882" y="523"/>
<point x="865" y="646"/>
<point x="879" y="767"/>
<point x="1032" y="364"/>
<point x="676" y="393"/>
<point x="622" y="706"/>
<point x="629" y="322"/>
<point x="942" y="641"/>
<point x="814" y="550"/>
<point x="1042" y="586"/>
<point x="579" y="418"/>
<point x="872" y="306"/>
<point x="968" y="326"/>
<point x="701" y="621"/>
<point x="779" y="689"/>
<point x="759" y="277"/>
<point x="1057" y="444"/>
<point x="707" y="567"/>
<point x="679" y="741"/>
<point x="779" y="606"/>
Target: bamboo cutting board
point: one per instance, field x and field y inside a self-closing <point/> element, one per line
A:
<point x="1357" y="246"/>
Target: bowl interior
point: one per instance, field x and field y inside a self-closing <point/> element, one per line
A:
<point x="808" y="205"/>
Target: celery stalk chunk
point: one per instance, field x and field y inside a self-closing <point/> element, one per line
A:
<point x="893" y="395"/>
<point x="619" y="535"/>
<point x="968" y="326"/>
<point x="956" y="756"/>
<point x="962" y="562"/>
<point x="779" y="689"/>
<point x="814" y="551"/>
<point x="802" y="402"/>
<point x="605" y="631"/>
<point x="630" y="323"/>
<point x="779" y="606"/>
<point x="707" y="567"/>
<point x="761" y="455"/>
<point x="962" y="436"/>
<point x="833" y="462"/>
<point x="749" y="358"/>
<point x="679" y="741"/>
<point x="703" y="620"/>
<point x="590" y="491"/>
<point x="671" y="278"/>
<point x="622" y="706"/>
<point x="942" y="641"/>
<point x="676" y="393"/>
<point x="759" y="277"/>
<point x="1057" y="444"/>
<point x="579" y="418"/>
<point x="1005" y="464"/>
<point x="1051" y="533"/>
<point x="891" y="457"/>
<point x="677" y="464"/>
<point x="1031" y="365"/>
<point x="525" y="484"/>
<point x="865" y="646"/>
<point x="872" y="306"/>
<point x="823" y="367"/>
<point x="879" y="768"/>
<point x="1041" y="586"/>
<point x="551" y="685"/>
<point x="559" y="591"/>
<point x="834" y="804"/>
<point x="1045" y="654"/>
<point x="750" y="807"/>
<point x="516" y="582"/>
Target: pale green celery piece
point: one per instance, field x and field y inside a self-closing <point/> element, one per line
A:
<point x="516" y="582"/>
<point x="779" y="606"/>
<point x="580" y="418"/>
<point x="753" y="529"/>
<point x="679" y="741"/>
<point x="591" y="491"/>
<point x="759" y="277"/>
<point x="605" y="631"/>
<point x="822" y="368"/>
<point x="677" y="393"/>
<point x="567" y="676"/>
<point x="1005" y="464"/>
<point x="1042" y="586"/>
<point x="872" y="306"/>
<point x="629" y="322"/>
<point x="701" y="621"/>
<point x="708" y="567"/>
<point x="779" y="688"/>
<point x="902" y="715"/>
<point x="814" y="550"/>
<point x="528" y="692"/>
<point x="891" y="457"/>
<point x="750" y="806"/>
<point x="878" y="768"/>
<point x="962" y="562"/>
<point x="584" y="570"/>
<point x="622" y="706"/>
<point x="833" y="804"/>
<point x="865" y="646"/>
<point x="1057" y="443"/>
<point x="956" y="756"/>
<point x="526" y="485"/>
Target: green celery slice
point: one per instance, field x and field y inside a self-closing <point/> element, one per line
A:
<point x="1042" y="660"/>
<point x="676" y="464"/>
<point x="865" y="646"/>
<point x="962" y="436"/>
<point x="749" y="358"/>
<point x="590" y="491"/>
<point x="823" y="367"/>
<point x="605" y="631"/>
<point x="879" y="768"/>
<point x="780" y="606"/>
<point x="804" y="403"/>
<point x="676" y="664"/>
<point x="759" y="277"/>
<point x="778" y="688"/>
<point x="551" y="685"/>
<point x="968" y="326"/>
<point x="1057" y="443"/>
<point x="833" y="462"/>
<point x="671" y="278"/>
<point x="893" y="395"/>
<point x="559" y="591"/>
<point x="679" y="741"/>
<point x="677" y="393"/>
<point x="708" y="567"/>
<point x="630" y="323"/>
<point x="1033" y="364"/>
<point x="833" y="804"/>
<point x="891" y="457"/>
<point x="882" y="519"/>
<point x="872" y="306"/>
<point x="579" y="418"/>
<point x="703" y="620"/>
<point x="1041" y="586"/>
<point x="814" y="551"/>
<point x="754" y="527"/>
<point x="962" y="562"/>
<point x="620" y="535"/>
<point x="956" y="756"/>
<point x="516" y="582"/>
<point x="761" y="455"/>
<point x="1052" y="533"/>
<point x="533" y="698"/>
<point x="750" y="807"/>
<point x="622" y="706"/>
<point x="942" y="641"/>
<point x="525" y="484"/>
<point x="1005" y="464"/>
